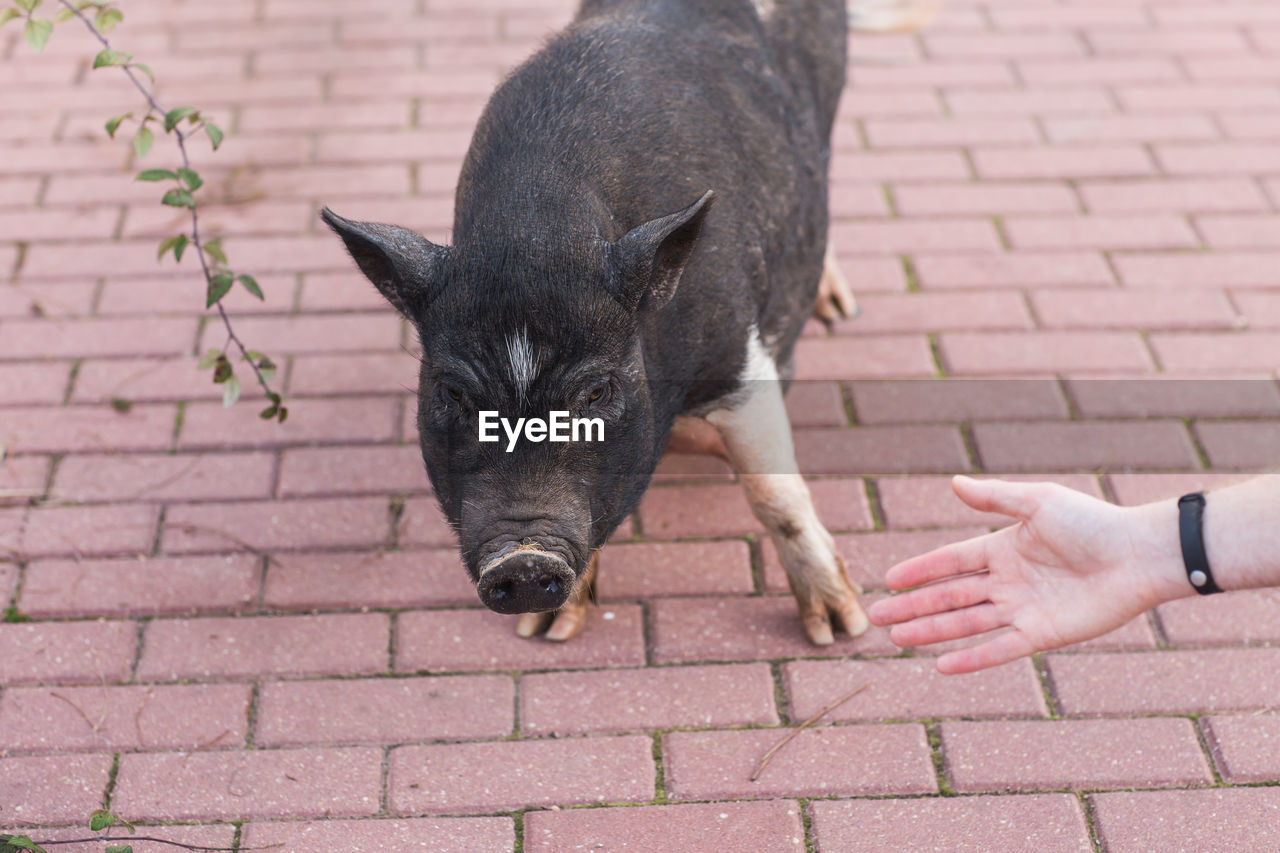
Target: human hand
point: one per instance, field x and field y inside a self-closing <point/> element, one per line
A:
<point x="1072" y="568"/>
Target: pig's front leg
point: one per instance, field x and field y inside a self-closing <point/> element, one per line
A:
<point x="758" y="438"/>
<point x="567" y="622"/>
<point x="835" y="296"/>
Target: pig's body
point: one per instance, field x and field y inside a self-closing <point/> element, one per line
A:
<point x="590" y="273"/>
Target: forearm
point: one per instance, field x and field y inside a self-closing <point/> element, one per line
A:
<point x="1241" y="536"/>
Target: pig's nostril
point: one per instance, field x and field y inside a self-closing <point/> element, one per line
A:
<point x="549" y="584"/>
<point x="502" y="591"/>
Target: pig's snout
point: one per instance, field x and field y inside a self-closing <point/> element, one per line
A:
<point x="526" y="581"/>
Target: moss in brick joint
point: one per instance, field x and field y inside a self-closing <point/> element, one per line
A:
<point x="807" y="823"/>
<point x="939" y="763"/>
<point x="659" y="772"/>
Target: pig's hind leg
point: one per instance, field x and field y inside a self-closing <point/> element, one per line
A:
<point x="567" y="622"/>
<point x="835" y="297"/>
<point x="757" y="435"/>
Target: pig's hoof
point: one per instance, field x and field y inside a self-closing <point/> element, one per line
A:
<point x="835" y="297"/>
<point x="564" y="624"/>
<point x="846" y="613"/>
<point x="892" y="16"/>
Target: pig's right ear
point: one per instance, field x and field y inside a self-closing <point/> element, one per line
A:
<point x="401" y="264"/>
<point x="652" y="256"/>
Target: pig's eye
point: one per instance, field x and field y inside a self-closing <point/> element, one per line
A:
<point x="453" y="393"/>
<point x="599" y="395"/>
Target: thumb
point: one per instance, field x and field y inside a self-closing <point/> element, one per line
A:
<point x="1019" y="500"/>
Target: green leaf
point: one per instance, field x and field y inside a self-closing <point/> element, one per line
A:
<point x="209" y="360"/>
<point x="63" y="16"/>
<point x="119" y="848"/>
<point x="101" y="818"/>
<point x="113" y="124"/>
<point x="230" y="391"/>
<point x="145" y="69"/>
<point x="269" y="412"/>
<point x="107" y="19"/>
<point x="251" y="285"/>
<point x="142" y="142"/>
<point x="191" y="179"/>
<point x="20" y="842"/>
<point x="38" y="31"/>
<point x="215" y="134"/>
<point x="218" y="287"/>
<point x="7" y="15"/>
<point x="221" y="369"/>
<point x="108" y="58"/>
<point x="178" y="244"/>
<point x="178" y="198"/>
<point x="172" y="117"/>
<point x="284" y="413"/>
<point x="28" y="5"/>
<point x="213" y="248"/>
<point x="157" y="175"/>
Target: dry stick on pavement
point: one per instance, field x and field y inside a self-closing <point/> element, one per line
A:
<point x="768" y="756"/>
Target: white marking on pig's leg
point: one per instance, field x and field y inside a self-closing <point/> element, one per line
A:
<point x="567" y="622"/>
<point x="524" y="367"/>
<point x="892" y="16"/>
<point x="758" y="437"/>
<point x="695" y="435"/>
<point x="764" y="8"/>
<point x="835" y="297"/>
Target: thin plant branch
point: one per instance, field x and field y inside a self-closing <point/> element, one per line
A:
<point x="768" y="756"/>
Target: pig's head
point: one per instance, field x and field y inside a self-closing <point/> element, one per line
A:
<point x="553" y="324"/>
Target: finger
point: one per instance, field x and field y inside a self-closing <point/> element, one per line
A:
<point x="1002" y="649"/>
<point x="941" y="597"/>
<point x="1019" y="500"/>
<point x="941" y="627"/>
<point x="958" y="558"/>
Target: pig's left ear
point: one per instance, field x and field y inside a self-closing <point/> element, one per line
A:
<point x="401" y="264"/>
<point x="653" y="255"/>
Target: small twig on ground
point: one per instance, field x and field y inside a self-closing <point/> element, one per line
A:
<point x="768" y="756"/>
<point x="93" y="727"/>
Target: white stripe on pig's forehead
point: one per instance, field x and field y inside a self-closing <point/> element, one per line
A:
<point x="524" y="367"/>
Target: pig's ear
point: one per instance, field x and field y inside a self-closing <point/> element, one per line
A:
<point x="401" y="264"/>
<point x="653" y="255"/>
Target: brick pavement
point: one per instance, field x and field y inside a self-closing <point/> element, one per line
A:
<point x="260" y="633"/>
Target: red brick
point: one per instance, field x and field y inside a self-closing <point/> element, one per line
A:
<point x="955" y="45"/>
<point x="771" y="825"/>
<point x="91" y="260"/>
<point x="1167" y="682"/>
<point x="488" y="777"/>
<point x="348" y="290"/>
<point x="1208" y="269"/>
<point x="1091" y="130"/>
<point x="821" y="762"/>
<point x="913" y="449"/>
<point x="858" y="200"/>
<point x="863" y="358"/>
<point x="87" y="338"/>
<point x="66" y="652"/>
<point x="140" y="586"/>
<point x="1098" y="70"/>
<point x="856" y="104"/>
<point x="1260" y="310"/>
<point x="910" y="688"/>
<point x="652" y="569"/>
<point x="52" y="789"/>
<point x="22" y="479"/>
<point x="684" y="630"/>
<point x="384" y="710"/>
<point x="1186" y="97"/>
<point x="1011" y="353"/>
<point x="902" y="235"/>
<point x="1172" y="195"/>
<point x="352" y="470"/>
<point x="314" y="333"/>
<point x="931" y="133"/>
<point x="310" y="117"/>
<point x="230" y="647"/>
<point x="920" y="312"/>
<point x="382" y="579"/>
<point x="1218" y="819"/>
<point x="1241" y="618"/>
<point x="1134" y="489"/>
<point x="1147" y="40"/>
<point x="1245" y="748"/>
<point x="1084" y="446"/>
<point x="175" y="295"/>
<point x="249" y="784"/>
<point x="900" y="166"/>
<point x="424" y="523"/>
<point x="815" y="404"/>
<point x="383" y="146"/>
<point x="1240" y="232"/>
<point x="1029" y="269"/>
<point x="1134" y="635"/>
<point x="403" y="83"/>
<point x="476" y="640"/>
<point x="943" y="400"/>
<point x="1071" y="17"/>
<point x="1099" y="232"/>
<point x="88" y="531"/>
<point x="989" y="199"/>
<point x="1047" y="823"/>
<point x="53" y="299"/>
<point x="929" y="501"/>
<point x="391" y="373"/>
<point x="1098" y="161"/>
<point x="1222" y="351"/>
<point x="57" y="225"/>
<point x="437" y="835"/>
<point x="1250" y="126"/>
<point x="1112" y="309"/>
<point x="165" y="477"/>
<point x="15" y="192"/>
<point x="1248" y="445"/>
<point x="867" y="556"/>
<point x="1046" y="754"/>
<point x="1227" y="158"/>
<point x="632" y="700"/>
<point x="92" y="428"/>
<point x="218" y="835"/>
<point x="1172" y="397"/>
<point x="178" y="717"/>
<point x="1019" y="102"/>
<point x="722" y="510"/>
<point x="277" y="525"/>
<point x="143" y="381"/>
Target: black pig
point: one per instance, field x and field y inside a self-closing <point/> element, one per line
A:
<point x="640" y="233"/>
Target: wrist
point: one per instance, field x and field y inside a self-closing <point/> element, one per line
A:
<point x="1157" y="552"/>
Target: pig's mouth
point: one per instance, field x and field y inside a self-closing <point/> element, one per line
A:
<point x="525" y="579"/>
